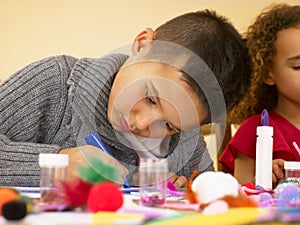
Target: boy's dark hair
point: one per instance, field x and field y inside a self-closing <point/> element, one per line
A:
<point x="214" y="39"/>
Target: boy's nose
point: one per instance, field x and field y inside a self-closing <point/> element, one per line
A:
<point x="142" y="122"/>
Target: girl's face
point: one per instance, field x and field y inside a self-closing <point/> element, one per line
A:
<point x="150" y="99"/>
<point x="285" y="72"/>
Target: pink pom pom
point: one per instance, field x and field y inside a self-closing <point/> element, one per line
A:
<point x="105" y="196"/>
<point x="215" y="207"/>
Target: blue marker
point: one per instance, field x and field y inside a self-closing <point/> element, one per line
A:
<point x="94" y="139"/>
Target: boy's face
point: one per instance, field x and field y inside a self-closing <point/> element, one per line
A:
<point x="150" y="99"/>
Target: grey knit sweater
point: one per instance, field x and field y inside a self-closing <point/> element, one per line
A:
<point x="54" y="103"/>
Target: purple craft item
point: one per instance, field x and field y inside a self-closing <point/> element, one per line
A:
<point x="264" y="118"/>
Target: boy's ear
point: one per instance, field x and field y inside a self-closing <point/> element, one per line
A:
<point x="142" y="39"/>
<point x="269" y="79"/>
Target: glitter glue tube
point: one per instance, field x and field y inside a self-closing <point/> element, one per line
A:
<point x="153" y="181"/>
<point x="264" y="152"/>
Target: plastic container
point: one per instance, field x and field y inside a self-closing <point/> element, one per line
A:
<point x="53" y="168"/>
<point x="292" y="172"/>
<point x="153" y="182"/>
<point x="264" y="155"/>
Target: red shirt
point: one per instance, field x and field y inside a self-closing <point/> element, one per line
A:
<point x="244" y="140"/>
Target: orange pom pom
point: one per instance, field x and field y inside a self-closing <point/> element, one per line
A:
<point x="105" y="196"/>
<point x="189" y="194"/>
<point x="7" y="195"/>
<point x="241" y="200"/>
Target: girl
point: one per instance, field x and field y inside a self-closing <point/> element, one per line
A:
<point x="274" y="45"/>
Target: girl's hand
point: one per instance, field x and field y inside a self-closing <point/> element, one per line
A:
<point x="80" y="156"/>
<point x="278" y="171"/>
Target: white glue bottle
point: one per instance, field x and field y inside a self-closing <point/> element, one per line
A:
<point x="264" y="153"/>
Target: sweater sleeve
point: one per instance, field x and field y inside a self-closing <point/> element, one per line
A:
<point x="201" y="153"/>
<point x="33" y="102"/>
<point x="191" y="153"/>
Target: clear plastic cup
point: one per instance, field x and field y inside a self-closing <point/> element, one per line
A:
<point x="153" y="181"/>
<point x="292" y="172"/>
<point x="53" y="170"/>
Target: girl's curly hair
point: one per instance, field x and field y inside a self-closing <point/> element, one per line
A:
<point x="260" y="38"/>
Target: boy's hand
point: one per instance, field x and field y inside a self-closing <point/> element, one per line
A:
<point x="80" y="156"/>
<point x="278" y="171"/>
<point x="178" y="181"/>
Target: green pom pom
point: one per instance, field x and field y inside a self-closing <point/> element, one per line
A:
<point x="98" y="172"/>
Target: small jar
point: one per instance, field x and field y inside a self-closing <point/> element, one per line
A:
<point x="153" y="181"/>
<point x="53" y="170"/>
<point x="292" y="172"/>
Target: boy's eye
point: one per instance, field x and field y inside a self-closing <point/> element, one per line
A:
<point x="150" y="98"/>
<point x="169" y="126"/>
<point x="296" y="67"/>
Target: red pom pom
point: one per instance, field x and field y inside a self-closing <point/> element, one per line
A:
<point x="105" y="196"/>
<point x="76" y="192"/>
<point x="249" y="189"/>
<point x="250" y="186"/>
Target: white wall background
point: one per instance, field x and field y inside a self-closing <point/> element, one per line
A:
<point x="33" y="29"/>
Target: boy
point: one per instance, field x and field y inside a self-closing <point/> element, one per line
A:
<point x="186" y="73"/>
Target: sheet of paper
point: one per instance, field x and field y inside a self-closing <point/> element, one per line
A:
<point x="32" y="192"/>
<point x="53" y="218"/>
<point x="232" y="217"/>
<point x="129" y="190"/>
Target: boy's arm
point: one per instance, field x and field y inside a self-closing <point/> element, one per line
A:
<point x="32" y="104"/>
<point x="19" y="162"/>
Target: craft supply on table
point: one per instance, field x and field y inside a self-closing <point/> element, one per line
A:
<point x="296" y="147"/>
<point x="264" y="152"/>
<point x="52" y="173"/>
<point x="153" y="181"/>
<point x="292" y="172"/>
